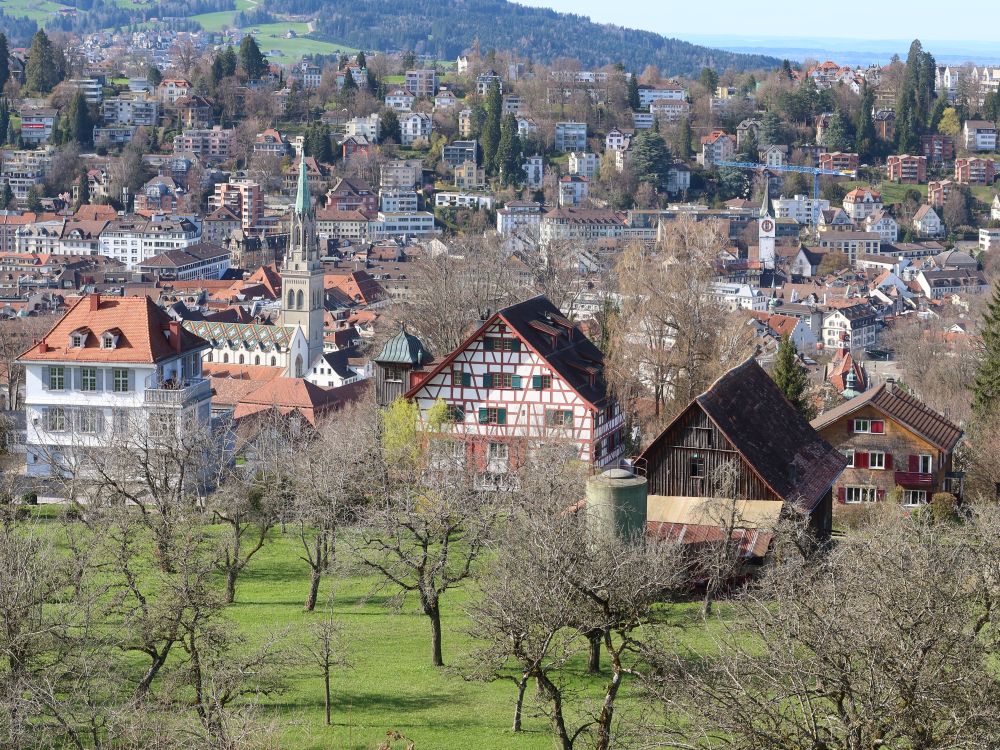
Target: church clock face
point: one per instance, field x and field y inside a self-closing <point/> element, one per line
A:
<point x="767" y="225"/>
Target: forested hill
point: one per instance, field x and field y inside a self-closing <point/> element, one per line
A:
<point x="444" y="28"/>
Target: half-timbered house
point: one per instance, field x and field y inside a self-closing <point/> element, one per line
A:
<point x="527" y="374"/>
<point x="741" y="446"/>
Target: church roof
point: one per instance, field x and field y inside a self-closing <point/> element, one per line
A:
<point x="404" y="349"/>
<point x="248" y="335"/>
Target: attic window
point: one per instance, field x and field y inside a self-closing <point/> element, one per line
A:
<point x="108" y="340"/>
<point x="77" y="339"/>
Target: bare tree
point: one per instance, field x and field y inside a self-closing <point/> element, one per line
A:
<point x="16" y="335"/>
<point x="423" y="535"/>
<point x="886" y="642"/>
<point x="552" y="583"/>
<point x="326" y="649"/>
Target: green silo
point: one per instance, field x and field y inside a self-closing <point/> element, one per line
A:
<point x="616" y="503"/>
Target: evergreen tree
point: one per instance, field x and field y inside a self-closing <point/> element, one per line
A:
<point x="771" y="130"/>
<point x="991" y="106"/>
<point x="252" y="60"/>
<point x="44" y="69"/>
<point x="389" y="126"/>
<point x="632" y="92"/>
<point x="682" y="142"/>
<point x="6" y="196"/>
<point x="651" y="159"/>
<point x="4" y="62"/>
<point x="229" y="61"/>
<point x="77" y="123"/>
<point x="786" y="69"/>
<point x="907" y="131"/>
<point x="83" y="190"/>
<point x="490" y="138"/>
<point x="361" y="60"/>
<point x="154" y="76"/>
<point x="350" y="85"/>
<point x="986" y="390"/>
<point x="4" y="118"/>
<point x="35" y="198"/>
<point x="215" y="71"/>
<point x="839" y="135"/>
<point x="509" y="152"/>
<point x="709" y="79"/>
<point x="865" y="138"/>
<point x="790" y="377"/>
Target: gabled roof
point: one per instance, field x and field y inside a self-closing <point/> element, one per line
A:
<point x="774" y="439"/>
<point x="287" y="395"/>
<point x="147" y="333"/>
<point x="900" y="407"/>
<point x="556" y="340"/>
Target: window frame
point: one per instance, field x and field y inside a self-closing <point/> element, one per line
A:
<point x="116" y="374"/>
<point x="876" y="457"/>
<point x="908" y="503"/>
<point x="696" y="461"/>
<point x="88" y="379"/>
<point x="860" y="490"/>
<point x="57" y="372"/>
<point x="50" y="418"/>
<point x="920" y="463"/>
<point x="849" y="455"/>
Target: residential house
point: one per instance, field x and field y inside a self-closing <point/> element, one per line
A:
<point x="162" y="195"/>
<point x="938" y="192"/>
<point x="581" y="224"/>
<point x="110" y="372"/>
<point x="584" y="164"/>
<point x="650" y="94"/>
<point x="853" y="327"/>
<point x="453" y="199"/>
<point x="469" y="176"/>
<point x="617" y="139"/>
<point x="271" y="141"/>
<point x="852" y="244"/>
<point x="519" y="217"/>
<point x="927" y="223"/>
<point x="989" y="239"/>
<point x="739" y="449"/>
<point x="891" y="440"/>
<point x="570" y="136"/>
<point x="37" y="125"/>
<point x="194" y="112"/>
<point x="906" y="169"/>
<point x="573" y="189"/>
<point x="534" y="171"/>
<point x="666" y="110"/>
<point x="974" y="171"/>
<point x="445" y="99"/>
<point x="134" y="239"/>
<point x="403" y="174"/>
<point x="423" y="82"/>
<point x="414" y="127"/>
<point x="748" y="131"/>
<point x="937" y="148"/>
<point x="486" y="80"/>
<point x="979" y="135"/>
<point x="457" y="153"/>
<point x="947" y="283"/>
<point x="839" y="161"/>
<point x="170" y="90"/>
<point x="526" y="373"/>
<point x="131" y="109"/>
<point x="861" y="202"/>
<point x="200" y="261"/>
<point x="367" y="127"/>
<point x="715" y="147"/>
<point x="396" y="201"/>
<point x="212" y="144"/>
<point x="244" y="198"/>
<point x="465" y="123"/>
<point x="352" y="194"/>
<point x="399" y="100"/>
<point x="884" y="224"/>
<point x="804" y="209"/>
<point x="885" y="124"/>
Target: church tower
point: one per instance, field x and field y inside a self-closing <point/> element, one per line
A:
<point x="766" y="230"/>
<point x="302" y="279"/>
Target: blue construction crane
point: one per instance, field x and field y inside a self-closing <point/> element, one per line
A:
<point x="814" y="171"/>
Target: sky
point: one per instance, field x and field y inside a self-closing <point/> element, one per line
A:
<point x="887" y="19"/>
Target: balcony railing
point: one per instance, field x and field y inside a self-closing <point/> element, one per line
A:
<point x="914" y="480"/>
<point x="178" y="393"/>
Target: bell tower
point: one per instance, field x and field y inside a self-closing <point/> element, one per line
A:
<point x="302" y="278"/>
<point x="766" y="229"/>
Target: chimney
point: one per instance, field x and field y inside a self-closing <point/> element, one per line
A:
<point x="95" y="302"/>
<point x="175" y="334"/>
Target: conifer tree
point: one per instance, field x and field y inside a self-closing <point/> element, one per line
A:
<point x="6" y="196"/>
<point x="682" y="142"/>
<point x="43" y="70"/>
<point x="252" y="60"/>
<point x="490" y="138"/>
<point x="4" y="63"/>
<point x="632" y="92"/>
<point x="361" y="60"/>
<point x="77" y="124"/>
<point x="389" y="126"/>
<point x="790" y="377"/>
<point x="509" y="152"/>
<point x="864" y="128"/>
<point x="986" y="389"/>
<point x="83" y="190"/>
<point x="4" y="118"/>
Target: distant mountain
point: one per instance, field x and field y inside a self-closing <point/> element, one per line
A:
<point x="444" y="28"/>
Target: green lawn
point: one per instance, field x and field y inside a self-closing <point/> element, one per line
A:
<point x="272" y="37"/>
<point x="391" y="684"/>
<point x="893" y="193"/>
<point x="222" y="19"/>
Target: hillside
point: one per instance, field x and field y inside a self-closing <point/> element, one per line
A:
<point x="444" y="28"/>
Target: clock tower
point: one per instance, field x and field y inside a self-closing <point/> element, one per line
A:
<point x="766" y="230"/>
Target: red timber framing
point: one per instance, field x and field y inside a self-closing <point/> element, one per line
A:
<point x="502" y="390"/>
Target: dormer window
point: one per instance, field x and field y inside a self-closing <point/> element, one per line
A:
<point x="77" y="339"/>
<point x="109" y="340"/>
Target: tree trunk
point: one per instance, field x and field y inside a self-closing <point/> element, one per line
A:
<point x="154" y="669"/>
<point x="231" y="572"/>
<point x="434" y="612"/>
<point x="554" y="696"/>
<point x="608" y="711"/>
<point x="314" y="580"/>
<point x="326" y="694"/>
<point x="594" y="652"/>
<point x="522" y="684"/>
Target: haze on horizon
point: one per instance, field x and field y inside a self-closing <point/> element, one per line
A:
<point x="891" y="19"/>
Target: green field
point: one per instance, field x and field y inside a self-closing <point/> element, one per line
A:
<point x="36" y="10"/>
<point x="390" y="683"/>
<point x="893" y="193"/>
<point x="224" y="18"/>
<point x="272" y="37"/>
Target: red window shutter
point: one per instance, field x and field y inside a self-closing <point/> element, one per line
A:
<point x="860" y="460"/>
<point x="888" y="461"/>
<point x="913" y="463"/>
<point x="850" y="426"/>
<point x="880" y="495"/>
<point x="841" y="494"/>
<point x="878" y="427"/>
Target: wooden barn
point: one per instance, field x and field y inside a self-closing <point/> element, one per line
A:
<point x="740" y="445"/>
